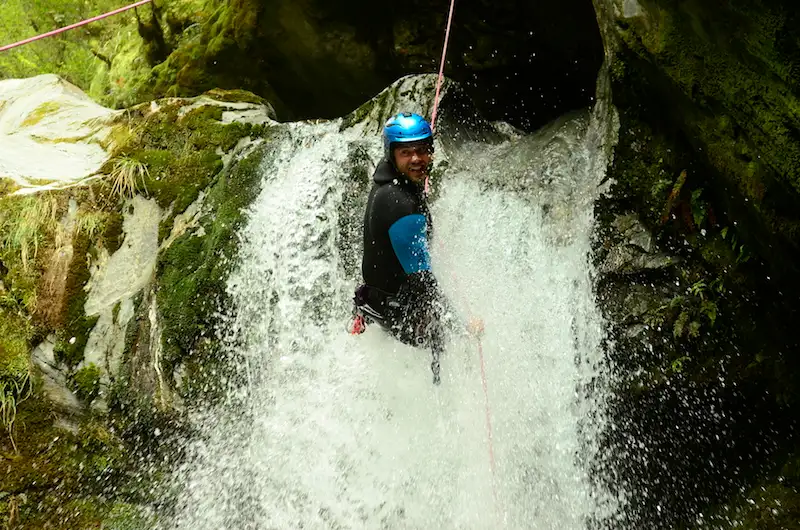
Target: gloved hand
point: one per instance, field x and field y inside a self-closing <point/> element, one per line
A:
<point x="475" y="326"/>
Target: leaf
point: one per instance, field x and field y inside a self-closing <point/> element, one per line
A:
<point x="676" y="302"/>
<point x="673" y="196"/>
<point x="709" y="309"/>
<point x="680" y="324"/>
<point x="744" y="255"/>
<point x="694" y="329"/>
<point x="677" y="364"/>
<point x="718" y="285"/>
<point x="699" y="289"/>
<point x="699" y="208"/>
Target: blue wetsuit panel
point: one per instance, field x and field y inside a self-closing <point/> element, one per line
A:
<point x="410" y="243"/>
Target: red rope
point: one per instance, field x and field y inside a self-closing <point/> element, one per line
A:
<point x="73" y="26"/>
<point x="441" y="77"/>
<point x="488" y="423"/>
<point x="441" y="67"/>
<point x="487" y="409"/>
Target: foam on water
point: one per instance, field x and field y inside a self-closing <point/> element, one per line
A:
<point x="337" y="431"/>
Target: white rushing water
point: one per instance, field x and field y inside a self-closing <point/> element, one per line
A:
<point x="343" y="431"/>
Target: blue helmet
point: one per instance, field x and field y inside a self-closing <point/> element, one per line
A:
<point x="405" y="127"/>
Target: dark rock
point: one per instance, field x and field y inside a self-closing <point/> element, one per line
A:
<point x="706" y="386"/>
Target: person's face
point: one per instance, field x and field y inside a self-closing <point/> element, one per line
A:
<point x="413" y="160"/>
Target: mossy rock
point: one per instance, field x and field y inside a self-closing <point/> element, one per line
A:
<point x="15" y="334"/>
<point x="178" y="151"/>
<point x="76" y="326"/>
<point x="236" y="96"/>
<point x="772" y="504"/>
<point x="725" y="79"/>
<point x="193" y="270"/>
<point x="7" y="186"/>
<point x="86" y="382"/>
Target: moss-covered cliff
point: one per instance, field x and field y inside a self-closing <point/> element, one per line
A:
<point x="520" y="61"/>
<point x="698" y="251"/>
<point x="86" y="274"/>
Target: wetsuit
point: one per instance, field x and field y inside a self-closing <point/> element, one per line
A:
<point x="400" y="292"/>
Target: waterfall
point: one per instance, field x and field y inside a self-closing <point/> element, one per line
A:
<point x="338" y="431"/>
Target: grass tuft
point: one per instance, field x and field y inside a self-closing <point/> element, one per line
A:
<point x="125" y="176"/>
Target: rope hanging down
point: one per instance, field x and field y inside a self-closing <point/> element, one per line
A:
<point x="441" y="77"/>
<point x="487" y="409"/>
<point x="73" y="26"/>
<point x="441" y="67"/>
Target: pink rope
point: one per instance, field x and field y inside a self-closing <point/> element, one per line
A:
<point x="486" y="408"/>
<point x="73" y="26"/>
<point x="441" y="67"/>
<point x="441" y="77"/>
<point x="488" y="424"/>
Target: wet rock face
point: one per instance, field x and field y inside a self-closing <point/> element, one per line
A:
<point x="699" y="411"/>
<point x="704" y="348"/>
<point x="720" y="82"/>
<point x="108" y="271"/>
<point x="524" y="62"/>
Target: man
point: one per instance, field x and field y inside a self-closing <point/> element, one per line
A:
<point x="400" y="292"/>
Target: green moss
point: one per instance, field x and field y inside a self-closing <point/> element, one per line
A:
<point x="201" y="116"/>
<point x="73" y="336"/>
<point x="193" y="270"/>
<point x="124" y="516"/>
<point x="15" y="334"/>
<point x="74" y="55"/>
<point x="114" y="235"/>
<point x="38" y="114"/>
<point x="7" y="186"/>
<point x="772" y="504"/>
<point x="180" y="152"/>
<point x="86" y="382"/>
<point x="736" y="66"/>
<point x="121" y="63"/>
<point x="379" y="102"/>
<point x="236" y="96"/>
<point x="177" y="182"/>
<point x="59" y="479"/>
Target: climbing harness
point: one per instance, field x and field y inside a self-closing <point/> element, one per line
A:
<point x="73" y="26"/>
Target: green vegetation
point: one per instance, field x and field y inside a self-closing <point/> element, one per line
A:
<point x="126" y="174"/>
<point x="729" y="79"/>
<point x="769" y="505"/>
<point x="49" y="243"/>
<point x="193" y="270"/>
<point x="77" y="55"/>
<point x="86" y="382"/>
<point x="707" y="158"/>
<point x="61" y="479"/>
<point x="183" y="48"/>
<point x="15" y="387"/>
<point x="73" y="334"/>
<point x="172" y="155"/>
<point x="25" y="223"/>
